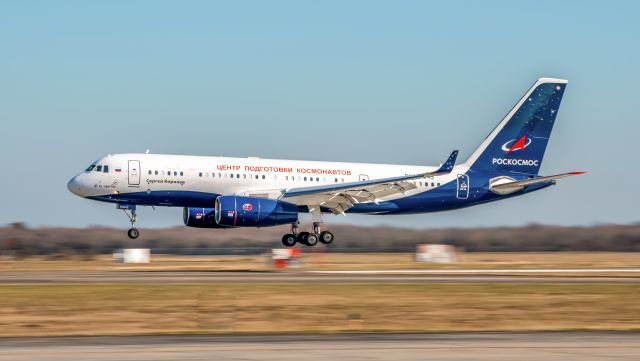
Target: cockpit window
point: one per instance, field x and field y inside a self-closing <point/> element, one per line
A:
<point x="105" y="169"/>
<point x="99" y="168"/>
<point x="90" y="168"/>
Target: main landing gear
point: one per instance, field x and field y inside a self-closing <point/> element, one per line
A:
<point x="133" y="232"/>
<point x="306" y="238"/>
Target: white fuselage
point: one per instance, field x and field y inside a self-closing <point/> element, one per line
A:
<point x="268" y="178"/>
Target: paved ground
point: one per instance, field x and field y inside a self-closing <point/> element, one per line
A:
<point x="303" y="277"/>
<point x="486" y="271"/>
<point x="567" y="346"/>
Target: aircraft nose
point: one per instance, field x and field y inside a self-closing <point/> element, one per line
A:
<point x="74" y="186"/>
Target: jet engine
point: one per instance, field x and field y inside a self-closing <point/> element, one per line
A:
<point x="238" y="211"/>
<point x="200" y="218"/>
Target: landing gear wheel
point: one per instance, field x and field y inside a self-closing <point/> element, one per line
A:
<point x="133" y="233"/>
<point x="302" y="237"/>
<point x="312" y="239"/>
<point x="326" y="237"/>
<point x="288" y="240"/>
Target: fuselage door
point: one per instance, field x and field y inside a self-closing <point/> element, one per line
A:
<point x="463" y="186"/>
<point x="134" y="172"/>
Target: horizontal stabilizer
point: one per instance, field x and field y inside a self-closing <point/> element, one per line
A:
<point x="507" y="185"/>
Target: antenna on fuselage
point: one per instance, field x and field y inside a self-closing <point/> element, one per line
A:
<point x="147" y="151"/>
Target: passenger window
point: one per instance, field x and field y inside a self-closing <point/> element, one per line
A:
<point x="175" y="173"/>
<point x="432" y="184"/>
<point x="99" y="168"/>
<point x="317" y="179"/>
<point x="305" y="179"/>
<point x="200" y="174"/>
<point x="149" y="172"/>
<point x="238" y="176"/>
<point x="231" y="175"/>
<point x="105" y="169"/>
<point x="156" y="172"/>
<point x="263" y="177"/>
<point x="336" y="180"/>
<point x="438" y="184"/>
<point x="181" y="174"/>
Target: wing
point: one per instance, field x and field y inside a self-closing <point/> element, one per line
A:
<point x="340" y="197"/>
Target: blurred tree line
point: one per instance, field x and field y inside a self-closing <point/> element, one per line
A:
<point x="21" y="241"/>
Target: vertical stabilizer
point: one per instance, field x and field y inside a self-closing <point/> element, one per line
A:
<point x="518" y="143"/>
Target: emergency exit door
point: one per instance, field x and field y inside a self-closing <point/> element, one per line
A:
<point x="134" y="172"/>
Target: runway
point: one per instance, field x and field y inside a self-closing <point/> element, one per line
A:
<point x="485" y="271"/>
<point x="566" y="346"/>
<point x="332" y="277"/>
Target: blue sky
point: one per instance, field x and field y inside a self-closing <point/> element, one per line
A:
<point x="368" y="81"/>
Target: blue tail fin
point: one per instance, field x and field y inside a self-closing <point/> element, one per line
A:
<point x="518" y="143"/>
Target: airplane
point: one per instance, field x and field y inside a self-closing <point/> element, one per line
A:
<point x="223" y="192"/>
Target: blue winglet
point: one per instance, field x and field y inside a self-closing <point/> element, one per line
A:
<point x="447" y="166"/>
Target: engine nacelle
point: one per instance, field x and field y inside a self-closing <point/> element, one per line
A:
<point x="238" y="211"/>
<point x="200" y="218"/>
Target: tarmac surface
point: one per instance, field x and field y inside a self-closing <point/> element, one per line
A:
<point x="567" y="346"/>
<point x="199" y="277"/>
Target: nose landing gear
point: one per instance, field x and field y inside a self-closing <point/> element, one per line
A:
<point x="307" y="238"/>
<point x="133" y="232"/>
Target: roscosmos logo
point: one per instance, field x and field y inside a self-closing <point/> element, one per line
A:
<point x="514" y="145"/>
